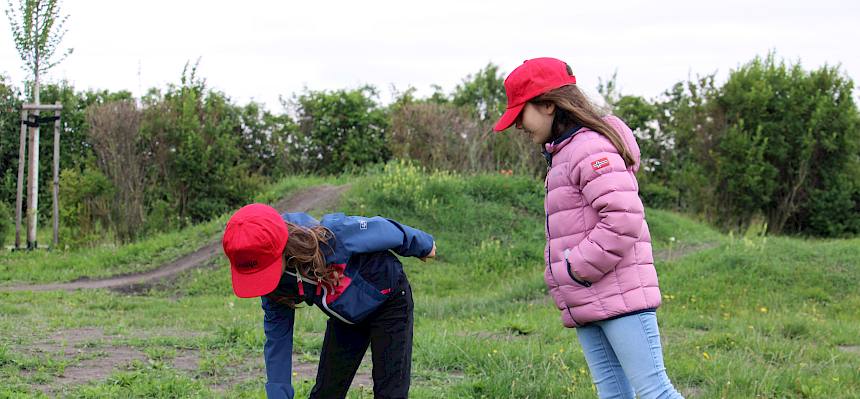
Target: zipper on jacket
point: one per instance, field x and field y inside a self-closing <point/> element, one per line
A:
<point x="546" y="215"/>
<point x="573" y="277"/>
<point x="570" y="272"/>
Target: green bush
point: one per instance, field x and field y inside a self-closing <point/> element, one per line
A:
<point x="775" y="142"/>
<point x="10" y="128"/>
<point x="802" y="139"/>
<point x="6" y="222"/>
<point x="658" y="195"/>
<point x="84" y="206"/>
<point x="338" y="130"/>
<point x="405" y="185"/>
<point x="197" y="163"/>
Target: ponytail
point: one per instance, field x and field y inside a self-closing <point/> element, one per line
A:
<point x="304" y="256"/>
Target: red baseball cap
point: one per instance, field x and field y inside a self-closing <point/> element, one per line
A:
<point x="531" y="79"/>
<point x="254" y="241"/>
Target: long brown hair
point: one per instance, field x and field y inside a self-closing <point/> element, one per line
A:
<point x="304" y="255"/>
<point x="573" y="108"/>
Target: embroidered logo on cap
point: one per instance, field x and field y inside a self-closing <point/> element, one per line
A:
<point x="600" y="163"/>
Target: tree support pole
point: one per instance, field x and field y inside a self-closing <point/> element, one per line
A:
<point x="22" y="151"/>
<point x="33" y="172"/>
<point x="56" y="176"/>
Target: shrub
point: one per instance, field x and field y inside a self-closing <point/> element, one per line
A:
<point x="6" y="222"/>
<point x="338" y="130"/>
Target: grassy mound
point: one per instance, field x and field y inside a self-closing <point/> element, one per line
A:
<point x="742" y="316"/>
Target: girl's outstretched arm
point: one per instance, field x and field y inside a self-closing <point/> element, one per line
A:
<point x="356" y="234"/>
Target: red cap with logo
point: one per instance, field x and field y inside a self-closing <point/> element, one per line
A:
<point x="531" y="79"/>
<point x="254" y="241"/>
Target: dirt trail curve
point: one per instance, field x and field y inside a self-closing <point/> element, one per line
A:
<point x="319" y="197"/>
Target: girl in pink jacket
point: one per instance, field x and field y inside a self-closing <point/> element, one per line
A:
<point x="599" y="267"/>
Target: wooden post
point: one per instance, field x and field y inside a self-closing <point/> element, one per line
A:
<point x="33" y="173"/>
<point x="20" y="189"/>
<point x="33" y="176"/>
<point x="56" y="176"/>
<point x="33" y="187"/>
<point x="43" y="107"/>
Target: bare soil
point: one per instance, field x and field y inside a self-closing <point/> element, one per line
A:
<point x="681" y="250"/>
<point x="104" y="356"/>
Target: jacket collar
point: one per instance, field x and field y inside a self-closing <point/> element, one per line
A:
<point x="557" y="144"/>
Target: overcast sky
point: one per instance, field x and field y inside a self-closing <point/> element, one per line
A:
<point x="259" y="50"/>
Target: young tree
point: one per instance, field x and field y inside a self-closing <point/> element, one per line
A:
<point x="37" y="36"/>
<point x="37" y="29"/>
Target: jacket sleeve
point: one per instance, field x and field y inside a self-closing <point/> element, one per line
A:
<point x="300" y="218"/>
<point x="358" y="234"/>
<point x="612" y="191"/>
<point x="278" y="350"/>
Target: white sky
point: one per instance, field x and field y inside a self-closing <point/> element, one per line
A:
<point x="259" y="49"/>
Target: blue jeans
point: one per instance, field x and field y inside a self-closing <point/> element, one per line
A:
<point x="625" y="357"/>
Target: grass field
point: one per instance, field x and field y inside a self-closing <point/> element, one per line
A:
<point x="743" y="317"/>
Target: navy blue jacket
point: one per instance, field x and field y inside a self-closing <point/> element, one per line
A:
<point x="365" y="285"/>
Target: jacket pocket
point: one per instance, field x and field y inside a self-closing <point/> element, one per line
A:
<point x="570" y="272"/>
<point x="357" y="301"/>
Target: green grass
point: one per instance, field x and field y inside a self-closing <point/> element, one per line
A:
<point x="742" y="316"/>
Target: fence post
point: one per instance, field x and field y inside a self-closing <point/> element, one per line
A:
<point x="56" y="176"/>
<point x="20" y="188"/>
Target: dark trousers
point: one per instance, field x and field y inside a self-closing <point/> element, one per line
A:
<point x="388" y="331"/>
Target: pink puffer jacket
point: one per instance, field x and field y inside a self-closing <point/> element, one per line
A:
<point x="595" y="226"/>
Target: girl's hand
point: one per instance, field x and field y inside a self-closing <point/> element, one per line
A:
<point x="432" y="254"/>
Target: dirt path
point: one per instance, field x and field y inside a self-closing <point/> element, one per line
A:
<point x="320" y="197"/>
<point x="679" y="251"/>
<point x="93" y="355"/>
